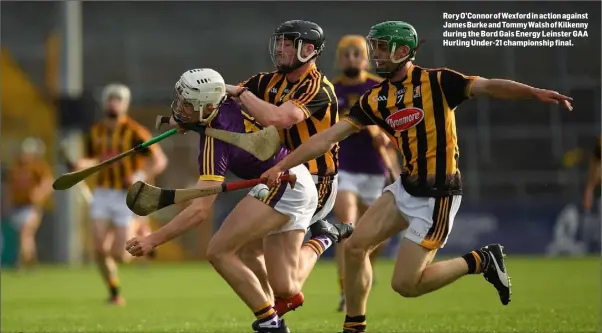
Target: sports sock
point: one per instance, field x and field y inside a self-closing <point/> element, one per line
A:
<point x="267" y="316"/>
<point x="477" y="260"/>
<point x="114" y="287"/>
<point x="355" y="324"/>
<point x="319" y="244"/>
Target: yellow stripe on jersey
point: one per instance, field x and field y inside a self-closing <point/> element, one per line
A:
<point x="209" y="161"/>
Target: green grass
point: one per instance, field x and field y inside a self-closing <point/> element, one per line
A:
<point x="550" y="295"/>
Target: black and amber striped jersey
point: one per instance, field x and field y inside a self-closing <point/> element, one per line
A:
<point x="104" y="142"/>
<point x="24" y="177"/>
<point x="313" y="94"/>
<point x="417" y="113"/>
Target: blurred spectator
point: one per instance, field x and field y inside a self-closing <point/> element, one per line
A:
<point x="29" y="186"/>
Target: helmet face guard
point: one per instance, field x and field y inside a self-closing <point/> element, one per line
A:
<point x="382" y="64"/>
<point x="191" y="110"/>
<point x="385" y="39"/>
<point x="182" y="110"/>
<point x="283" y="60"/>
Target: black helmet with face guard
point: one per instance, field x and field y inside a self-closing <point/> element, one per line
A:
<point x="298" y="32"/>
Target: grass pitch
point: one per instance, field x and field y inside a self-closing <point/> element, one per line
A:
<point x="549" y="295"/>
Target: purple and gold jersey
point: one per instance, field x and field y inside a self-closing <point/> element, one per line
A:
<point x="217" y="157"/>
<point x="357" y="153"/>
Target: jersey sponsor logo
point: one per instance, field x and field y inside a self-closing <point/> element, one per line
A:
<point x="379" y="98"/>
<point x="404" y="119"/>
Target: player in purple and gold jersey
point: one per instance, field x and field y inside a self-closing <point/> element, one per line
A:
<point x="280" y="220"/>
<point x="365" y="159"/>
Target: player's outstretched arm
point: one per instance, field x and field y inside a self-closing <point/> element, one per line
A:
<point x="193" y="215"/>
<point x="156" y="160"/>
<point x="316" y="146"/>
<point x="508" y="89"/>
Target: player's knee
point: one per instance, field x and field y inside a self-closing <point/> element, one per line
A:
<point x="27" y="233"/>
<point x="354" y="249"/>
<point x="118" y="255"/>
<point x="100" y="253"/>
<point x="217" y="254"/>
<point x="404" y="287"/>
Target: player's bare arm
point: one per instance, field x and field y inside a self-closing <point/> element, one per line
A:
<point x="159" y="160"/>
<point x="156" y="162"/>
<point x="508" y="89"/>
<point x="311" y="149"/>
<point x="154" y="166"/>
<point x="192" y="216"/>
<point x="379" y="137"/>
<point x="267" y="114"/>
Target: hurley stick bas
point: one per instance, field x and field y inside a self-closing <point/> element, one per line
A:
<point x="144" y="199"/>
<point x="262" y="144"/>
<point x="69" y="179"/>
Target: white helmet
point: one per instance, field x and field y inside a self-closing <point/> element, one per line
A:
<point x="119" y="91"/>
<point x="116" y="90"/>
<point x="199" y="88"/>
<point x="33" y="146"/>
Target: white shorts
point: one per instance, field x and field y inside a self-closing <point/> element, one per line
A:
<point x="109" y="204"/>
<point x="327" y="195"/>
<point x="19" y="216"/>
<point x="298" y="203"/>
<point x="430" y="219"/>
<point x="368" y="187"/>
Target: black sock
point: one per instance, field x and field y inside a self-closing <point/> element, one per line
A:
<point x="114" y="288"/>
<point x="355" y="324"/>
<point x="477" y="260"/>
<point x="114" y="291"/>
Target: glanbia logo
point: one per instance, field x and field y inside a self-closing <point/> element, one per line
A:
<point x="404" y="119"/>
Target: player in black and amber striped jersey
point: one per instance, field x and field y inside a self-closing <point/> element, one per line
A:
<point x="415" y="106"/>
<point x="300" y="101"/>
<point x="29" y="186"/>
<point x="111" y="136"/>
